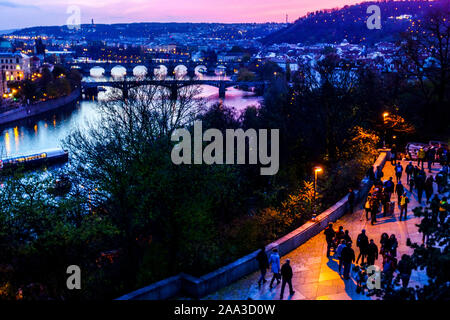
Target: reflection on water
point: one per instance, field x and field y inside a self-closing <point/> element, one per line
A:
<point x="48" y="130"/>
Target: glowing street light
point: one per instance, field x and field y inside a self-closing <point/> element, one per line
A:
<point x="385" y="115"/>
<point x="316" y="171"/>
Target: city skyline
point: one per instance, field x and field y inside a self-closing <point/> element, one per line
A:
<point x="53" y="12"/>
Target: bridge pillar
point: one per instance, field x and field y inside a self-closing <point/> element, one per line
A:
<point x="173" y="92"/>
<point x="125" y="90"/>
<point x="222" y="90"/>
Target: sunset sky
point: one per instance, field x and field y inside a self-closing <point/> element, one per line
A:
<point x="25" y="13"/>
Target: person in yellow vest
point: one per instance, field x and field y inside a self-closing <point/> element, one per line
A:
<point x="404" y="200"/>
<point x="420" y="157"/>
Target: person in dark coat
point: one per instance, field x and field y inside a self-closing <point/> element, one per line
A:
<point x="393" y="244"/>
<point x="374" y="211"/>
<point x="348" y="256"/>
<point x="399" y="190"/>
<point x="286" y="276"/>
<point x="362" y="242"/>
<point x="372" y="253"/>
<point x="263" y="263"/>
<point x="409" y="171"/>
<point x="351" y="200"/>
<point x="329" y="237"/>
<point x="420" y="184"/>
<point x="429" y="188"/>
<point x="398" y="171"/>
<point x="405" y="269"/>
<point x="347" y="237"/>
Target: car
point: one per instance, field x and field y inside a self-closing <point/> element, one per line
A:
<point x="412" y="148"/>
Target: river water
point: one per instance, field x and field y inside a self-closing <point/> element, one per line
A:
<point x="48" y="130"/>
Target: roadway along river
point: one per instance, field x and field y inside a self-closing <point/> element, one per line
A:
<point x="47" y="130"/>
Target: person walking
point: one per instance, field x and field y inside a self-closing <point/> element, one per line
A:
<point x="348" y="256"/>
<point x="420" y="157"/>
<point x="379" y="173"/>
<point x="429" y="188"/>
<point x="430" y="155"/>
<point x="339" y="249"/>
<point x="286" y="276"/>
<point x="372" y="253"/>
<point x="440" y="177"/>
<point x="367" y="207"/>
<point x="347" y="237"/>
<point x="404" y="200"/>
<point x="398" y="171"/>
<point x="405" y="269"/>
<point x="329" y="237"/>
<point x="374" y="211"/>
<point x="263" y="264"/>
<point x="384" y="243"/>
<point x="274" y="262"/>
<point x="434" y="206"/>
<point x="399" y="190"/>
<point x="362" y="242"/>
<point x="351" y="200"/>
<point x="420" y="185"/>
<point x="393" y="244"/>
<point x="386" y="201"/>
<point x="409" y="171"/>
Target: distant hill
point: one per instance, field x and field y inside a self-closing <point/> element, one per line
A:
<point x="349" y="22"/>
<point x="150" y="30"/>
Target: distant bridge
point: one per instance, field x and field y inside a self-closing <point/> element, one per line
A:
<point x="174" y="85"/>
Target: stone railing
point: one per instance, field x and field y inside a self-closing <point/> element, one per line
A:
<point x="184" y="284"/>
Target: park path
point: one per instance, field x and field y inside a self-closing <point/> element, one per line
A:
<point x="315" y="275"/>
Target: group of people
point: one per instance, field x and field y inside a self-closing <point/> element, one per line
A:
<point x="341" y="243"/>
<point x="432" y="155"/>
<point x="281" y="274"/>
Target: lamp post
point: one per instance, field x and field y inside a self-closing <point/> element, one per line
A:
<point x="385" y="115"/>
<point x="316" y="171"/>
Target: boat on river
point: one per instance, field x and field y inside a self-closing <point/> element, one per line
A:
<point x="35" y="159"/>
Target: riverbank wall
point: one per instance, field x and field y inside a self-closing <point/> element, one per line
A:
<point x="31" y="110"/>
<point x="187" y="285"/>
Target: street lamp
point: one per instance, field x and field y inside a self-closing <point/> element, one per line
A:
<point x="316" y="171"/>
<point x="385" y="115"/>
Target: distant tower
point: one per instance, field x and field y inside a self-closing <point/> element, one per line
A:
<point x="92" y="21"/>
<point x="287" y="18"/>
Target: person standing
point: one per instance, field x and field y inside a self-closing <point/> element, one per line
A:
<point x="347" y="237"/>
<point x="429" y="188"/>
<point x="372" y="253"/>
<point x="263" y="263"/>
<point x="348" y="256"/>
<point x="409" y="171"/>
<point x="351" y="200"/>
<point x="274" y="262"/>
<point x="398" y="171"/>
<point x="393" y="155"/>
<point x="329" y="237"/>
<point x="286" y="275"/>
<point x="339" y="249"/>
<point x="405" y="269"/>
<point x="362" y="242"/>
<point x="367" y="207"/>
<point x="386" y="201"/>
<point x="404" y="200"/>
<point x="399" y="190"/>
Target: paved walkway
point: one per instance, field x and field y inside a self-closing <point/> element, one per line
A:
<point x="315" y="276"/>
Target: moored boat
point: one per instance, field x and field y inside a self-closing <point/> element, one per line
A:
<point x="36" y="159"/>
